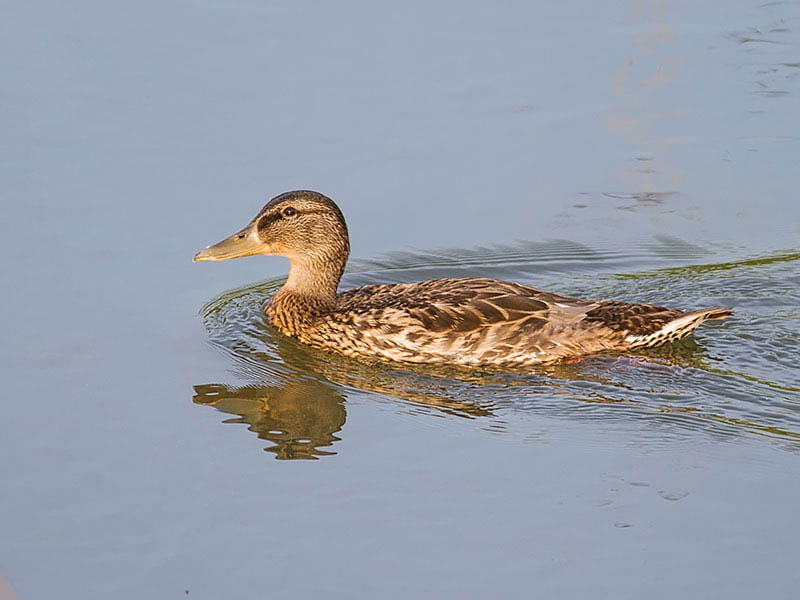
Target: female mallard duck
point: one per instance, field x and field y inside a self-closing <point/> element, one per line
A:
<point x="469" y="322"/>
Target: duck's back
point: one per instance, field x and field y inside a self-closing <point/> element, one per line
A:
<point x="479" y="322"/>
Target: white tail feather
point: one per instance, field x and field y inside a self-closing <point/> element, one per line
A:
<point x="678" y="327"/>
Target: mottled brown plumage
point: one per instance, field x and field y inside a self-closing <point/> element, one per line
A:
<point x="469" y="322"/>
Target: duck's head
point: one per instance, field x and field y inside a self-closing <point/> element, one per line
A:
<point x="305" y="227"/>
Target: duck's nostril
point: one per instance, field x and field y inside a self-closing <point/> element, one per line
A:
<point x="240" y="236"/>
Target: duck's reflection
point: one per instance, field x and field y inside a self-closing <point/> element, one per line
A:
<point x="294" y="396"/>
<point x="299" y="418"/>
<point x="298" y="404"/>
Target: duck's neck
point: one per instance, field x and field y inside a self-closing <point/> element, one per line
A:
<point x="308" y="294"/>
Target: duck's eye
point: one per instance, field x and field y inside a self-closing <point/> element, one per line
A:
<point x="289" y="211"/>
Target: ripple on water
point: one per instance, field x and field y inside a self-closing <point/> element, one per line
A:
<point x="733" y="379"/>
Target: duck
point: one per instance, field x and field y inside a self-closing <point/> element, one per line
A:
<point x="467" y="322"/>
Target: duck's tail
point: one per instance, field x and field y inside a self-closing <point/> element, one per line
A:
<point x="678" y="327"/>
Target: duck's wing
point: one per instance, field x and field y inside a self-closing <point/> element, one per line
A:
<point x="486" y="321"/>
<point x="468" y="321"/>
<point x="448" y="305"/>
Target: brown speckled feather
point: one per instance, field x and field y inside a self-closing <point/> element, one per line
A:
<point x="480" y="322"/>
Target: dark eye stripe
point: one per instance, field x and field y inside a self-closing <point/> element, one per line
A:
<point x="267" y="220"/>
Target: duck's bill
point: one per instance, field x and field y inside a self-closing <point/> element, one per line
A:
<point x="242" y="243"/>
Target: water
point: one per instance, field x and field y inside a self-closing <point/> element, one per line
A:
<point x="643" y="151"/>
<point x="706" y="383"/>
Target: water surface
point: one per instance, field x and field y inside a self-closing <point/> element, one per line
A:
<point x="645" y="151"/>
<point x="731" y="379"/>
